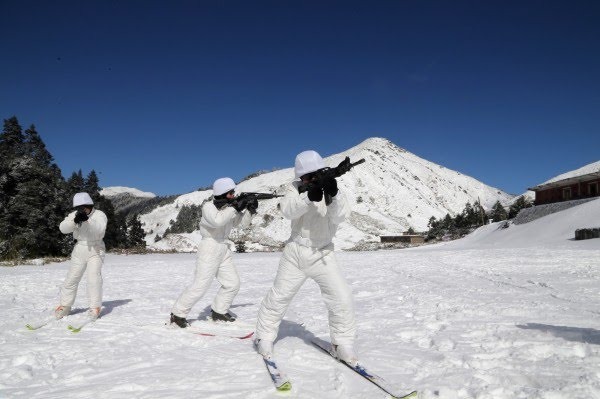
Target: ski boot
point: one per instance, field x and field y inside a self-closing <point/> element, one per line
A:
<point x="346" y="354"/>
<point x="221" y="317"/>
<point x="179" y="321"/>
<point x="61" y="311"/>
<point x="264" y="348"/>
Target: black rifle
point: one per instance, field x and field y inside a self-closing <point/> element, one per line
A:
<point x="325" y="173"/>
<point x="247" y="197"/>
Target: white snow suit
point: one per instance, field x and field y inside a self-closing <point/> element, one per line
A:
<point x="309" y="253"/>
<point x="88" y="253"/>
<point x="214" y="259"/>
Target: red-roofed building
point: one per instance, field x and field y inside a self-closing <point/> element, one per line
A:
<point x="572" y="188"/>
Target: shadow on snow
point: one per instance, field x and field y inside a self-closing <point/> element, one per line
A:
<point x="577" y="334"/>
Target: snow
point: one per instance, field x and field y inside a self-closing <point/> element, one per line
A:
<point x="116" y="190"/>
<point x="584" y="170"/>
<point x="502" y="313"/>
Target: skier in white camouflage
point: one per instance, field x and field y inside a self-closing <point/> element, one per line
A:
<point x="88" y="226"/>
<point x="309" y="253"/>
<point x="214" y="255"/>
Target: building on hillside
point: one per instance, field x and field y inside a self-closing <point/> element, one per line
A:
<point x="572" y="188"/>
<point x="413" y="239"/>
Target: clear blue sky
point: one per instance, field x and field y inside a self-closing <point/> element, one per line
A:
<point x="168" y="96"/>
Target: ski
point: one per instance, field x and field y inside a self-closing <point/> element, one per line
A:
<point x="241" y="335"/>
<point x="40" y="323"/>
<point x="216" y="329"/>
<point x="279" y="377"/>
<point x="363" y="372"/>
<point x="76" y="327"/>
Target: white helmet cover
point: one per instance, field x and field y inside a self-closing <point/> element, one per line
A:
<point x="82" y="199"/>
<point x="223" y="185"/>
<point x="307" y="162"/>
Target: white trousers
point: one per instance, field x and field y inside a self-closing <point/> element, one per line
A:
<point x="214" y="260"/>
<point x="297" y="264"/>
<point x="90" y="257"/>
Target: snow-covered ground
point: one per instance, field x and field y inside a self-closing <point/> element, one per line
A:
<point x="504" y="313"/>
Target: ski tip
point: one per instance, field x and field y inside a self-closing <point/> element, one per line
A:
<point x="286" y="386"/>
<point x="30" y="328"/>
<point x="413" y="394"/>
<point x="247" y="336"/>
<point x="74" y="329"/>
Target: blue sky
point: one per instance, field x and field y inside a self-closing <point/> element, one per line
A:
<point x="168" y="96"/>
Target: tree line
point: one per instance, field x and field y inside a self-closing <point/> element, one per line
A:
<point x="472" y="217"/>
<point x="35" y="197"/>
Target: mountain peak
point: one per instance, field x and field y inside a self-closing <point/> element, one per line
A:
<point x="377" y="143"/>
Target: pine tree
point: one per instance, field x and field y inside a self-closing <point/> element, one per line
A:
<point x="498" y="212"/>
<point x="115" y="235"/>
<point x="240" y="246"/>
<point x="519" y="204"/>
<point x="76" y="183"/>
<point x="33" y="191"/>
<point x="12" y="140"/>
<point x="480" y="213"/>
<point x="91" y="186"/>
<point x="136" y="234"/>
<point x="187" y="220"/>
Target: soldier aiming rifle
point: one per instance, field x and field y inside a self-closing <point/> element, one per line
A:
<point x="245" y="200"/>
<point x="319" y="178"/>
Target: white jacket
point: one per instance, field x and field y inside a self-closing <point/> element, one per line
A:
<point x="216" y="224"/>
<point x="89" y="232"/>
<point x="314" y="224"/>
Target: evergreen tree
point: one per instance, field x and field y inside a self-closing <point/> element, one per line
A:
<point x="498" y="212"/>
<point x="91" y="186"/>
<point x="240" y="246"/>
<point x="187" y="220"/>
<point x="136" y="234"/>
<point x="519" y="204"/>
<point x="469" y="216"/>
<point x="116" y="226"/>
<point x="76" y="183"/>
<point x="480" y="213"/>
<point x="33" y="191"/>
<point x="12" y="140"/>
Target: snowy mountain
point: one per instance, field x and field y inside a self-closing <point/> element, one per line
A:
<point x="394" y="190"/>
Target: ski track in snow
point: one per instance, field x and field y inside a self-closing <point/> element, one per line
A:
<point x="452" y="323"/>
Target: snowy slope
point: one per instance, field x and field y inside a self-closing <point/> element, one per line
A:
<point x="116" y="190"/>
<point x="556" y="230"/>
<point x="391" y="192"/>
<point x="462" y="320"/>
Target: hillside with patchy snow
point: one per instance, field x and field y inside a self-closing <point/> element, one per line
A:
<point x="393" y="191"/>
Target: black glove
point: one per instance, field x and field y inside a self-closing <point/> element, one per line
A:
<point x="315" y="193"/>
<point x="80" y="216"/>
<point x="344" y="166"/>
<point x="330" y="187"/>
<point x="252" y="205"/>
<point x="239" y="204"/>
